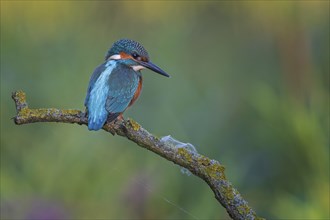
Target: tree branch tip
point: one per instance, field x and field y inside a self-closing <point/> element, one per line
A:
<point x="20" y="100"/>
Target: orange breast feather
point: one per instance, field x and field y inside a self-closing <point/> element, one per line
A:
<point x="137" y="93"/>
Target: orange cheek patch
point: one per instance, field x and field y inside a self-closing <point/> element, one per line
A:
<point x="125" y="56"/>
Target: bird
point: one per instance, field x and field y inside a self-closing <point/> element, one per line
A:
<point x="116" y="84"/>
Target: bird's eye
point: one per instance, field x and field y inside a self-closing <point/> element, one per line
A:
<point x="135" y="55"/>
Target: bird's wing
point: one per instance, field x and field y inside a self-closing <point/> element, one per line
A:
<point x="97" y="72"/>
<point x="123" y="83"/>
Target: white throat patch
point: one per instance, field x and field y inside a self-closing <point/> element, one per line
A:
<point x="138" y="67"/>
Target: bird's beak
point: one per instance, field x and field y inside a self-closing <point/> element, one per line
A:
<point x="154" y="68"/>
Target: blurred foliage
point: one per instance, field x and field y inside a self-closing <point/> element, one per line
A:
<point x="249" y="87"/>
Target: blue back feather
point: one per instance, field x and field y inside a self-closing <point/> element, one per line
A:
<point x="93" y="79"/>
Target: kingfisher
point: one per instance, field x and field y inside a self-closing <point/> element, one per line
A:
<point x="117" y="82"/>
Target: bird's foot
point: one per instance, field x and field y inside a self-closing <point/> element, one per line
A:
<point x="120" y="117"/>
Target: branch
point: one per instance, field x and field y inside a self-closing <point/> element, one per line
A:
<point x="211" y="171"/>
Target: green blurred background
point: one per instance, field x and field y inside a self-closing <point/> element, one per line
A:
<point x="249" y="87"/>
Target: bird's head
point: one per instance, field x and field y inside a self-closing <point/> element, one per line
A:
<point x="133" y="54"/>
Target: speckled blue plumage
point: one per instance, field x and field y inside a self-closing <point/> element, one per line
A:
<point x="111" y="89"/>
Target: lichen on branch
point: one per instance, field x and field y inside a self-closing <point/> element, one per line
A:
<point x="211" y="171"/>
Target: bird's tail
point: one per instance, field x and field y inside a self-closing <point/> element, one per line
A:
<point x="96" y="122"/>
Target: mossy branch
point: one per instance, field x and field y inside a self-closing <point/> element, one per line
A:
<point x="211" y="171"/>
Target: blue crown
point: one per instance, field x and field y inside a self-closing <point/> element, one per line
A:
<point x="127" y="46"/>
